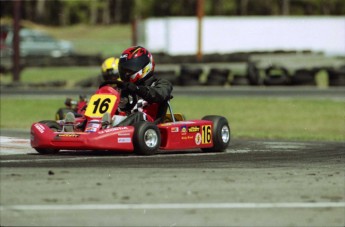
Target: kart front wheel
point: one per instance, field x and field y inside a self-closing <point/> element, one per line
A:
<point x="146" y="138"/>
<point x="54" y="126"/>
<point x="220" y="134"/>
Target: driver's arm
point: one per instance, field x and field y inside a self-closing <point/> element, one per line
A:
<point x="158" y="93"/>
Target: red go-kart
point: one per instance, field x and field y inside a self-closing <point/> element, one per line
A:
<point x="211" y="134"/>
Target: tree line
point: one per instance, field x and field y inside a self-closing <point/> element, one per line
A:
<point x="69" y="12"/>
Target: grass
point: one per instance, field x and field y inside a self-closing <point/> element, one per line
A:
<point x="69" y="74"/>
<point x="108" y="40"/>
<point x="262" y="118"/>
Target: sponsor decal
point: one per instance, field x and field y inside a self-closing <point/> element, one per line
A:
<point x="198" y="139"/>
<point x="91" y="129"/>
<point x="166" y="124"/>
<point x="112" y="130"/>
<point x="39" y="127"/>
<point x="68" y="135"/>
<point x="175" y="129"/>
<point x="124" y="140"/>
<point x="184" y="129"/>
<point x="187" y="137"/>
<point x="186" y="122"/>
<point x="124" y="134"/>
<point x="124" y="56"/>
<point x="194" y="129"/>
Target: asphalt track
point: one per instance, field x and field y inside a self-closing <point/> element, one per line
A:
<point x="253" y="183"/>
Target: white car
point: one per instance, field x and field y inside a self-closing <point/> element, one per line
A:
<point x="37" y="43"/>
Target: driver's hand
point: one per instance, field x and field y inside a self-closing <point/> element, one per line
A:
<point x="131" y="87"/>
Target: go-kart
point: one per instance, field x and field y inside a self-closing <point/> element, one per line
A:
<point x="93" y="131"/>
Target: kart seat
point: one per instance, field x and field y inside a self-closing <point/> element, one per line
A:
<point x="172" y="117"/>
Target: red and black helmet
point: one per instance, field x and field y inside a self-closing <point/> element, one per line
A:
<point x="136" y="64"/>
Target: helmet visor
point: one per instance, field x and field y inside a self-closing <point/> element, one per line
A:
<point x="129" y="67"/>
<point x="110" y="75"/>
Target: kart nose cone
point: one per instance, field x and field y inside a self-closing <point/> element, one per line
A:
<point x="225" y="134"/>
<point x="151" y="138"/>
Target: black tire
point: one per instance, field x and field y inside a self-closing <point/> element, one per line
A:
<point x="146" y="138"/>
<point x="303" y="77"/>
<point x="276" y="75"/>
<point x="336" y="77"/>
<point x="253" y="74"/>
<point x="189" y="76"/>
<point x="168" y="75"/>
<point x="53" y="125"/>
<point x="217" y="77"/>
<point x="221" y="133"/>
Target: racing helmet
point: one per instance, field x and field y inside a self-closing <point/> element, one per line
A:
<point x="110" y="70"/>
<point x="136" y="64"/>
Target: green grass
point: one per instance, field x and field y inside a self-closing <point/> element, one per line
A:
<point x="107" y="40"/>
<point x="262" y="118"/>
<point x="69" y="74"/>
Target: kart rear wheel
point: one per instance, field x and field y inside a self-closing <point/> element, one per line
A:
<point x="54" y="126"/>
<point x="146" y="138"/>
<point x="221" y="133"/>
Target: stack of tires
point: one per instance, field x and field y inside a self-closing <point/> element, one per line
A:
<point x="276" y="75"/>
<point x="253" y="74"/>
<point x="336" y="77"/>
<point x="169" y="75"/>
<point x="217" y="77"/>
<point x="189" y="76"/>
<point x="239" y="80"/>
<point x="303" y="77"/>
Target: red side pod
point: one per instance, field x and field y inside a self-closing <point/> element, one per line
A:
<point x="186" y="135"/>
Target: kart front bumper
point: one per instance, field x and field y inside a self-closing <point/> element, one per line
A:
<point x="117" y="139"/>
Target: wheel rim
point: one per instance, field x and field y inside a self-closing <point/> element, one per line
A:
<point x="225" y="134"/>
<point x="151" y="138"/>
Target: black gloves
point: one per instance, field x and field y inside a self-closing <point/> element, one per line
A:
<point x="130" y="87"/>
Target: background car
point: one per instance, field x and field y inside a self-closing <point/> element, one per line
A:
<point x="35" y="43"/>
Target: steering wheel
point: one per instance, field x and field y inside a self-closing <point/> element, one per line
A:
<point x="131" y="97"/>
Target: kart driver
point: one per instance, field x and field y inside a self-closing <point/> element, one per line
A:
<point x="136" y="68"/>
<point x="110" y="76"/>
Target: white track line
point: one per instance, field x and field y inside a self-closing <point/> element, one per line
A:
<point x="174" y="206"/>
<point x="12" y="146"/>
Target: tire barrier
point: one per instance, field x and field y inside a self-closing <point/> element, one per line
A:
<point x="169" y="75"/>
<point x="336" y="77"/>
<point x="303" y="77"/>
<point x="239" y="80"/>
<point x="253" y="74"/>
<point x="90" y="82"/>
<point x="189" y="76"/>
<point x="217" y="77"/>
<point x="276" y="75"/>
